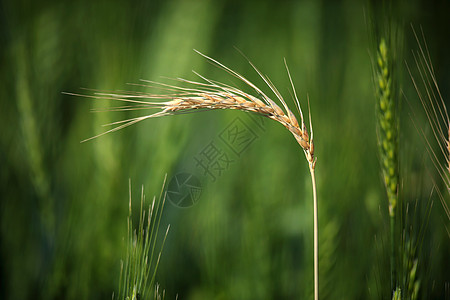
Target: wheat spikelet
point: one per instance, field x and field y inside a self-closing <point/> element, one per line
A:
<point x="211" y="95"/>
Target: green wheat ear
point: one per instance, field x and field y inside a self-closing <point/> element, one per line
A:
<point x="138" y="272"/>
<point x="413" y="282"/>
<point x="397" y="294"/>
<point x="387" y="126"/>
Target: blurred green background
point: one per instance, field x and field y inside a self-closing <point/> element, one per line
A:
<point x="64" y="203"/>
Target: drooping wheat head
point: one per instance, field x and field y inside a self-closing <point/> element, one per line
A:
<point x="211" y="95"/>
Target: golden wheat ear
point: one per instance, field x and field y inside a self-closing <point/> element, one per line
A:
<point x="208" y="95"/>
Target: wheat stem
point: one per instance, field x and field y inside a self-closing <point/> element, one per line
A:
<point x="316" y="232"/>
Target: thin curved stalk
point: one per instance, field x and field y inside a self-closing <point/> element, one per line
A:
<point x="316" y="233"/>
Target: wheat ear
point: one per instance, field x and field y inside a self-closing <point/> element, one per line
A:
<point x="387" y="141"/>
<point x="211" y="95"/>
<point x="138" y="272"/>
